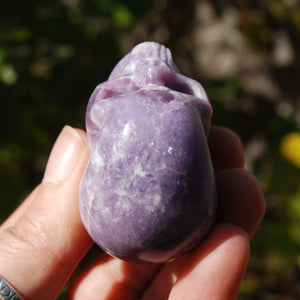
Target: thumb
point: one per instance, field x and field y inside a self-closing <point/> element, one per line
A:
<point x="43" y="241"/>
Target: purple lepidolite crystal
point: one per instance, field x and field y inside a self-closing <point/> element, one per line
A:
<point x="148" y="193"/>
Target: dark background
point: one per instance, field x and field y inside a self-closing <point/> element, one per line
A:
<point x="245" y="53"/>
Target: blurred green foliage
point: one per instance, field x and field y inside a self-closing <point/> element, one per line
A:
<point x="53" y="54"/>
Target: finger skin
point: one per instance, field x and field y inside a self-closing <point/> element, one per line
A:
<point x="11" y="220"/>
<point x="27" y="202"/>
<point x="226" y="149"/>
<point x="43" y="242"/>
<point x="216" y="268"/>
<point x="213" y="270"/>
<point x="111" y="278"/>
<point x="240" y="200"/>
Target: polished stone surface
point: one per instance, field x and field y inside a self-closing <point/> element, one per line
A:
<point x="148" y="194"/>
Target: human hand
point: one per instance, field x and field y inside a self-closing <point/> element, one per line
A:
<point x="42" y="242"/>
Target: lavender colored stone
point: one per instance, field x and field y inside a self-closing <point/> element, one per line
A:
<point x="148" y="193"/>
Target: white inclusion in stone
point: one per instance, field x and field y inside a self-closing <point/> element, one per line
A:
<point x="126" y="130"/>
<point x="156" y="204"/>
<point x="117" y="154"/>
<point x="97" y="161"/>
<point x="123" y="203"/>
<point x="129" y="68"/>
<point x="170" y="150"/>
<point x="156" y="200"/>
<point x="107" y="215"/>
<point x="138" y="171"/>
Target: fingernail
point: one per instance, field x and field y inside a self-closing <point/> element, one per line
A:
<point x="64" y="155"/>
